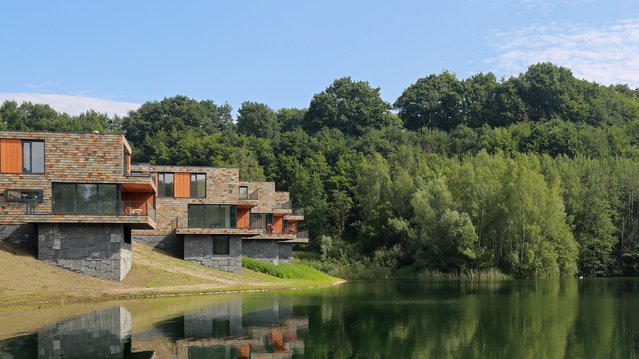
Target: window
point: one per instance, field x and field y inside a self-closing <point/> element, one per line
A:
<point x="212" y="216"/>
<point x="33" y="156"/>
<point x="85" y="198"/>
<point x="244" y="192"/>
<point x="198" y="185"/>
<point x="221" y="245"/>
<point x="23" y="195"/>
<point x="165" y="184"/>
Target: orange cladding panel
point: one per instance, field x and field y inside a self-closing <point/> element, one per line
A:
<point x="243" y="217"/>
<point x="277" y="223"/>
<point x="182" y="184"/>
<point x="10" y="155"/>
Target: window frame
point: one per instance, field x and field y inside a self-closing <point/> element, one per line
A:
<point x="191" y="187"/>
<point x="221" y="213"/>
<point x="216" y="239"/>
<point x="162" y="188"/>
<point x="22" y="200"/>
<point x="118" y="200"/>
<point x="30" y="143"/>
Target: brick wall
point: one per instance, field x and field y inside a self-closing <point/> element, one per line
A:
<point x="69" y="157"/>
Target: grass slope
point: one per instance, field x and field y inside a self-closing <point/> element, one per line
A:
<point x="26" y="280"/>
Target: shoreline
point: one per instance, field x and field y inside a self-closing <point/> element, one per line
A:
<point x="146" y="294"/>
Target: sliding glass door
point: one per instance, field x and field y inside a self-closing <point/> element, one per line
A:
<point x="86" y="198"/>
<point x="212" y="216"/>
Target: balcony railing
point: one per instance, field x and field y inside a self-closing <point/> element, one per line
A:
<point x="302" y="234"/>
<point x="297" y="212"/>
<point x="285" y="205"/>
<point x="141" y="170"/>
<point x="126" y="208"/>
<point x="137" y="208"/>
<point x="245" y="196"/>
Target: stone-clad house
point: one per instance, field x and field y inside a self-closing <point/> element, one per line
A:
<point x="79" y="200"/>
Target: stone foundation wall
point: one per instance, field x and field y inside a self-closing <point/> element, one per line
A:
<point x="97" y="250"/>
<point x="23" y="235"/>
<point x="198" y="248"/>
<point x="170" y="243"/>
<point x="263" y="249"/>
<point x="285" y="253"/>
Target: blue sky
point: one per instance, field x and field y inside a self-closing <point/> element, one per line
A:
<point x="114" y="55"/>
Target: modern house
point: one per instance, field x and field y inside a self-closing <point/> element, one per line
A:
<point x="82" y="201"/>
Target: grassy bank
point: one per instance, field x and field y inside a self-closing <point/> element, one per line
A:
<point x="26" y="280"/>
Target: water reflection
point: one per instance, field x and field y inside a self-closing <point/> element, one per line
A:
<point x="380" y="319"/>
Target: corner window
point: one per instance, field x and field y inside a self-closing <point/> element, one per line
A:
<point x="198" y="185"/>
<point x="165" y="185"/>
<point x="32" y="156"/>
<point x="221" y="245"/>
<point x="23" y="195"/>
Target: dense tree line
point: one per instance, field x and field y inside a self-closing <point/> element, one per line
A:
<point x="536" y="175"/>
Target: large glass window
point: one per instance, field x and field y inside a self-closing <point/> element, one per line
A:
<point x="85" y="198"/>
<point x="165" y="185"/>
<point x="212" y="216"/>
<point x="33" y="156"/>
<point x="198" y="185"/>
<point x="221" y="245"/>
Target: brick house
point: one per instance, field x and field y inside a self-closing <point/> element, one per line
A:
<point x="78" y="199"/>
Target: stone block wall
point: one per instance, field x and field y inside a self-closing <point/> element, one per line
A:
<point x="98" y="250"/>
<point x="285" y="253"/>
<point x="262" y="249"/>
<point x="23" y="235"/>
<point x="198" y="248"/>
<point x="168" y="242"/>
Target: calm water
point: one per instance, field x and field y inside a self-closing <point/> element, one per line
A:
<point x="596" y="318"/>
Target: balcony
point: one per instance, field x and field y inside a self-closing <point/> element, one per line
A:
<point x="283" y="208"/>
<point x="132" y="214"/>
<point x="301" y="237"/>
<point x="253" y="229"/>
<point x="296" y="215"/>
<point x="247" y="200"/>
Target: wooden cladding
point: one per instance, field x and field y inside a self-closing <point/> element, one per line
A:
<point x="182" y="184"/>
<point x="243" y="217"/>
<point x="277" y="223"/>
<point x="10" y="155"/>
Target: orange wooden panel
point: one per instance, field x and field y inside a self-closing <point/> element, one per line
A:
<point x="243" y="217"/>
<point x="10" y="155"/>
<point x="182" y="184"/>
<point x="277" y="223"/>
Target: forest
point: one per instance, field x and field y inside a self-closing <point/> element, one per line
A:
<point x="532" y="176"/>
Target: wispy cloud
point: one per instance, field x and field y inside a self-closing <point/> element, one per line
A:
<point x="606" y="54"/>
<point x="72" y="104"/>
<point x="547" y="5"/>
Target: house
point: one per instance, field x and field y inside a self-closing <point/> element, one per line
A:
<point x="78" y="200"/>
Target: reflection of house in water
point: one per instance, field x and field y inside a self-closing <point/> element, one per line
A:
<point x="103" y="334"/>
<point x="225" y="332"/>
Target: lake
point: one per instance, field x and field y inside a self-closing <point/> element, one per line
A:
<point x="591" y="318"/>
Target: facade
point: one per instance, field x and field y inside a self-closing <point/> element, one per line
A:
<point x="78" y="199"/>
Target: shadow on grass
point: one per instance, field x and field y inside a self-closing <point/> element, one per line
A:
<point x="18" y="250"/>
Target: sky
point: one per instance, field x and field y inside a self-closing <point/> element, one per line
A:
<point x="114" y="55"/>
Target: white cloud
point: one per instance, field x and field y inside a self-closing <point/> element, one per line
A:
<point x="607" y="54"/>
<point x="547" y="5"/>
<point x="72" y="105"/>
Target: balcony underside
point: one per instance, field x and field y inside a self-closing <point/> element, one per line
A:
<point x="294" y="218"/>
<point x="244" y="232"/>
<point x="133" y="222"/>
<point x="296" y="241"/>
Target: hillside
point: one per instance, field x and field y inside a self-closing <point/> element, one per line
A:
<point x="26" y="280"/>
